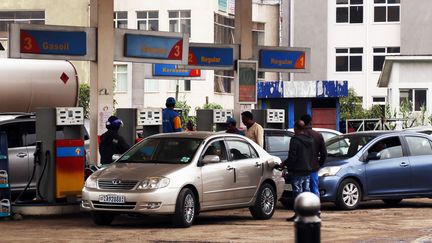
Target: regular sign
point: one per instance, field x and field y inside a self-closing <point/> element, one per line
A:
<point x="276" y="59"/>
<point x="52" y="42"/>
<point x="210" y="56"/>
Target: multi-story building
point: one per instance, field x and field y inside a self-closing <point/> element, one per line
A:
<point x="349" y="39"/>
<point x="209" y="21"/>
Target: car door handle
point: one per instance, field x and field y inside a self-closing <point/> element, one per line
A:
<point x="404" y="164"/>
<point x="229" y="167"/>
<point x="21" y="155"/>
<point x="258" y="164"/>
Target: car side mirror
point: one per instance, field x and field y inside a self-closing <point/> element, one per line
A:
<point x="115" y="157"/>
<point x="210" y="159"/>
<point x="373" y="156"/>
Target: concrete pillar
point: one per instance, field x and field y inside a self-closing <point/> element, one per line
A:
<point x="101" y="71"/>
<point x="242" y="36"/>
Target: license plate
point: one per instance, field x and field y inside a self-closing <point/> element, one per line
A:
<point x="111" y="198"/>
<point x="288" y="187"/>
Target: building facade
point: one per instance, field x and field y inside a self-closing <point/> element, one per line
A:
<point x="209" y="21"/>
<point x="349" y="39"/>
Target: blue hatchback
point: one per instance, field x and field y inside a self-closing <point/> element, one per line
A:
<point x="389" y="166"/>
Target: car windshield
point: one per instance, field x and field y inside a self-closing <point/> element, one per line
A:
<point x="347" y="145"/>
<point x="162" y="150"/>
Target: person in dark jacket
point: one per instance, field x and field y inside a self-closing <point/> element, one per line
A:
<point x="111" y="142"/>
<point x="299" y="161"/>
<point x="319" y="155"/>
<point x="232" y="126"/>
<point x="171" y="121"/>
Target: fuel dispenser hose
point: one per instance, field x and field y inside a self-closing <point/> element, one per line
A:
<point x="17" y="201"/>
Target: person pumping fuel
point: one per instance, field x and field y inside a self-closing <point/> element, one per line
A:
<point x="111" y="142"/>
<point x="171" y="121"/>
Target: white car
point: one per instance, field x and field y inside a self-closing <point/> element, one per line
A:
<point x="182" y="174"/>
<point x="327" y="133"/>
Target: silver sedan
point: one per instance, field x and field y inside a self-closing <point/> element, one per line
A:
<point x="182" y="174"/>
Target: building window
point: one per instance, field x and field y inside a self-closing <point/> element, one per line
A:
<point x="151" y="85"/>
<point x="27" y="17"/>
<point x="349" y="11"/>
<point x="148" y="20"/>
<point x="120" y="78"/>
<point x="416" y="97"/>
<point x="180" y="21"/>
<point x="386" y="10"/>
<point x="223" y="29"/>
<point x="120" y="19"/>
<point x="379" y="54"/>
<point x="222" y="81"/>
<point x="349" y="59"/>
<point x="184" y="85"/>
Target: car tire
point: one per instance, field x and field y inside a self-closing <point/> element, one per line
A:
<point x="185" y="209"/>
<point x="265" y="203"/>
<point x="349" y="195"/>
<point x="392" y="202"/>
<point x="102" y="218"/>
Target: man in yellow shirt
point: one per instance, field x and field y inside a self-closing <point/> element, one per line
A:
<point x="254" y="131"/>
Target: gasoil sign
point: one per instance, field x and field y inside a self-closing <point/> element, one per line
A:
<point x="52" y="42"/>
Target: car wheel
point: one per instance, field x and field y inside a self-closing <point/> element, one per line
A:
<point x="392" y="202"/>
<point x="102" y="218"/>
<point x="265" y="203"/>
<point x="348" y="195"/>
<point x="185" y="211"/>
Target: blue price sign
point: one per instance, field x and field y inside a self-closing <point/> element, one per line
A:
<point x="211" y="57"/>
<point x="157" y="47"/>
<point x="172" y="70"/>
<point x="284" y="60"/>
<point x="53" y="42"/>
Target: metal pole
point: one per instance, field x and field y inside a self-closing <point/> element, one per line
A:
<point x="307" y="224"/>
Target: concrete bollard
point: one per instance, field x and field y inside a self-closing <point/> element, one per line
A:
<point x="307" y="224"/>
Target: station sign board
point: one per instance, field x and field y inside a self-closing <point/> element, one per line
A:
<point x="247" y="81"/>
<point x="283" y="59"/>
<point x="151" y="46"/>
<point x="172" y="70"/>
<point x="52" y="42"/>
<point x="213" y="57"/>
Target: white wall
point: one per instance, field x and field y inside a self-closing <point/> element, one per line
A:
<point x="366" y="35"/>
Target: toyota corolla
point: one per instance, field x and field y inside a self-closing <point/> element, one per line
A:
<point x="183" y="174"/>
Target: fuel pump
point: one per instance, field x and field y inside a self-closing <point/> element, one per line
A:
<point x="270" y="118"/>
<point x="139" y="123"/>
<point x="5" y="195"/>
<point x="59" y="156"/>
<point x="213" y="120"/>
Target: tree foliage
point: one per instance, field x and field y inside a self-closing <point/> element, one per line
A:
<point x="84" y="98"/>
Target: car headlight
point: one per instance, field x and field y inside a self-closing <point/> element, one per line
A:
<point x="91" y="181"/>
<point x="153" y="183"/>
<point x="329" y="171"/>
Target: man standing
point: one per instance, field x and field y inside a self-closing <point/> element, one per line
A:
<point x="232" y="126"/>
<point x="299" y="161"/>
<point x="254" y="131"/>
<point x="111" y="142"/>
<point x="171" y="121"/>
<point x="319" y="154"/>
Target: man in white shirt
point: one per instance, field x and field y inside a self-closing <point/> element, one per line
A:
<point x="254" y="131"/>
